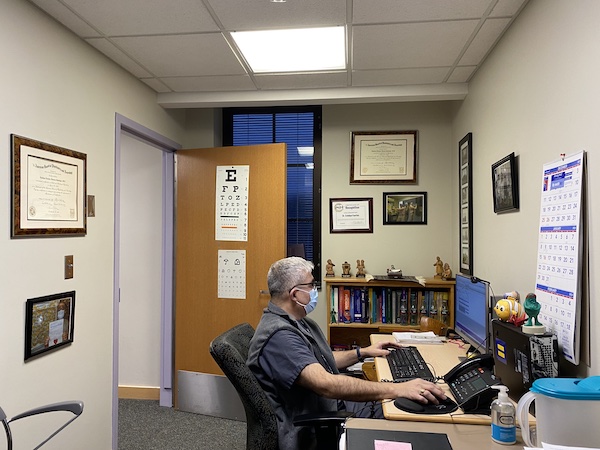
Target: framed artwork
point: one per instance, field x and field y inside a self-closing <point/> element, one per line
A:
<point x="49" y="323"/>
<point x="405" y="208"/>
<point x="505" y="184"/>
<point x="351" y="215"/>
<point x="465" y="195"/>
<point x="383" y="157"/>
<point x="48" y="190"/>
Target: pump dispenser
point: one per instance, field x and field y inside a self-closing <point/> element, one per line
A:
<point x="504" y="429"/>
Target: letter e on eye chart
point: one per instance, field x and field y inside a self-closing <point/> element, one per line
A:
<point x="232" y="274"/>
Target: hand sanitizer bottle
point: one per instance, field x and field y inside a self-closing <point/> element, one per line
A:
<point x="504" y="429"/>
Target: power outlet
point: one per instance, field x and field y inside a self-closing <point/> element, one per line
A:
<point x="68" y="267"/>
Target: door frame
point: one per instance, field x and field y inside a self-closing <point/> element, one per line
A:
<point x="168" y="147"/>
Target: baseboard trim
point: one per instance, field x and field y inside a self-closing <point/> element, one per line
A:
<point x="139" y="392"/>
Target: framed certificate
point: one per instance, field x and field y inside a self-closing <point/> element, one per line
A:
<point x="351" y="215"/>
<point x="388" y="157"/>
<point x="48" y="190"/>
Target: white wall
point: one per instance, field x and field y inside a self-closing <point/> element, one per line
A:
<point x="141" y="261"/>
<point x="537" y="96"/>
<point x="57" y="89"/>
<point x="413" y="248"/>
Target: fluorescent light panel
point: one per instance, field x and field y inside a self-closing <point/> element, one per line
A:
<point x="299" y="50"/>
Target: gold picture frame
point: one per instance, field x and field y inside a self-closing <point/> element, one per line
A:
<point x="48" y="190"/>
<point x="383" y="157"/>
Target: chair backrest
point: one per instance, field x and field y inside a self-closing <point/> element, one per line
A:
<point x="230" y="351"/>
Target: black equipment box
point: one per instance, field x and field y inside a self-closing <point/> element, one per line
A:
<point x="522" y="358"/>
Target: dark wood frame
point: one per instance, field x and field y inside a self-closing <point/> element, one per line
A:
<point x="408" y="138"/>
<point x="465" y="196"/>
<point x="39" y="313"/>
<point x="505" y="188"/>
<point x="389" y="218"/>
<point x="46" y="227"/>
<point x="337" y="202"/>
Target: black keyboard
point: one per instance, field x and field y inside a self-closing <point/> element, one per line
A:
<point x="407" y="363"/>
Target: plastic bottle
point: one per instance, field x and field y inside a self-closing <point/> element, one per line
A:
<point x="504" y="429"/>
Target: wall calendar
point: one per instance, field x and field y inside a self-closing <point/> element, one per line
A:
<point x="560" y="252"/>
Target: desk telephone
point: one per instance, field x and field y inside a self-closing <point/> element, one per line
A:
<point x="470" y="381"/>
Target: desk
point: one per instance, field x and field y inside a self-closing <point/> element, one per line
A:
<point x="442" y="357"/>
<point x="461" y="436"/>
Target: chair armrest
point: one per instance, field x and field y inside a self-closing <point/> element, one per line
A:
<point x="75" y="407"/>
<point x="325" y="418"/>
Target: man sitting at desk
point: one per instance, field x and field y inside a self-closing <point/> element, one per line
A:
<point x="294" y="364"/>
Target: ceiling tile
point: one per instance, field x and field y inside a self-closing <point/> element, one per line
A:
<point x="506" y="8"/>
<point x="263" y="14"/>
<point x="187" y="55"/>
<point x="410" y="45"/>
<point x="486" y="37"/>
<point x="399" y="77"/>
<point x="155" y="84"/>
<point x="389" y="11"/>
<point x="106" y="47"/>
<point x="65" y="16"/>
<point x="210" y="84"/>
<point x="131" y="17"/>
<point x="302" y="81"/>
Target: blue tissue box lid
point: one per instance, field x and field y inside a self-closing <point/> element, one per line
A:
<point x="568" y="388"/>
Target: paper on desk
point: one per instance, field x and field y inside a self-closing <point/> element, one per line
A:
<point x="559" y="447"/>
<point x="426" y="337"/>
<point x="391" y="445"/>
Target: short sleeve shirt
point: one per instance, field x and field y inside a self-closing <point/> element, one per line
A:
<point x="284" y="357"/>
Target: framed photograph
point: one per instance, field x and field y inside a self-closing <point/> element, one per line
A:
<point x="48" y="190"/>
<point x="505" y="184"/>
<point x="351" y="215"/>
<point x="405" y="208"/>
<point x="384" y="157"/>
<point x="465" y="194"/>
<point x="49" y="323"/>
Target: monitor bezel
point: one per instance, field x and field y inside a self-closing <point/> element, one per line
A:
<point x="476" y="345"/>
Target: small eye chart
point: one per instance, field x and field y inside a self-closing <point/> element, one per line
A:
<point x="231" y="215"/>
<point x="558" y="285"/>
<point x="232" y="274"/>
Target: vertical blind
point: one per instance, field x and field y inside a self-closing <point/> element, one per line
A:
<point x="297" y="130"/>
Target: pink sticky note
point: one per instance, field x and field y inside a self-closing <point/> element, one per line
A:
<point x="391" y="445"/>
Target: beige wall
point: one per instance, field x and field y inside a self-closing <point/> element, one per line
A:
<point x="59" y="90"/>
<point x="537" y="96"/>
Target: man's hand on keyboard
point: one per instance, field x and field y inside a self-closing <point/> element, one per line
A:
<point x="379" y="349"/>
<point x="421" y="391"/>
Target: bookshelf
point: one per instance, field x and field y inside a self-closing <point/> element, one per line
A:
<point x="362" y="307"/>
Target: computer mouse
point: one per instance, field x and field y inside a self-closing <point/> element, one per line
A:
<point x="412" y="406"/>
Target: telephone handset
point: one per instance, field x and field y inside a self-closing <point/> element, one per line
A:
<point x="470" y="381"/>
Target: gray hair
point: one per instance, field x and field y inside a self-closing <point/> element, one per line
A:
<point x="286" y="273"/>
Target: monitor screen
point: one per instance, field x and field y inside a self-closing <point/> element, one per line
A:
<point x="472" y="311"/>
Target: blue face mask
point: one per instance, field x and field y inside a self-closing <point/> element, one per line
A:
<point x="312" y="304"/>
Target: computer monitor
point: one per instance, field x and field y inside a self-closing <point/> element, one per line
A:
<point x="472" y="312"/>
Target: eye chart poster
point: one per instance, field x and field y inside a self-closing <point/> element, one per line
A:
<point x="231" y="215"/>
<point x="560" y="252"/>
<point x="232" y="274"/>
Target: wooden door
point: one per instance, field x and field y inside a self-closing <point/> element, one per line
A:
<point x="199" y="314"/>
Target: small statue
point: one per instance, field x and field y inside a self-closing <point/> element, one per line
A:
<point x="532" y="308"/>
<point x="447" y="275"/>
<point x="360" y="268"/>
<point x="439" y="268"/>
<point x="346" y="270"/>
<point x="329" y="269"/>
<point x="510" y="310"/>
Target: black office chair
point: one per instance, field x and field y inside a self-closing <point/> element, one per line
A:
<point x="75" y="407"/>
<point x="230" y="351"/>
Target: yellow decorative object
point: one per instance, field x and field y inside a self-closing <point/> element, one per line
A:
<point x="510" y="310"/>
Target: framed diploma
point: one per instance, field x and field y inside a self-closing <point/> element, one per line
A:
<point x="48" y="190"/>
<point x="384" y="157"/>
<point x="351" y="215"/>
<point x="49" y="323"/>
